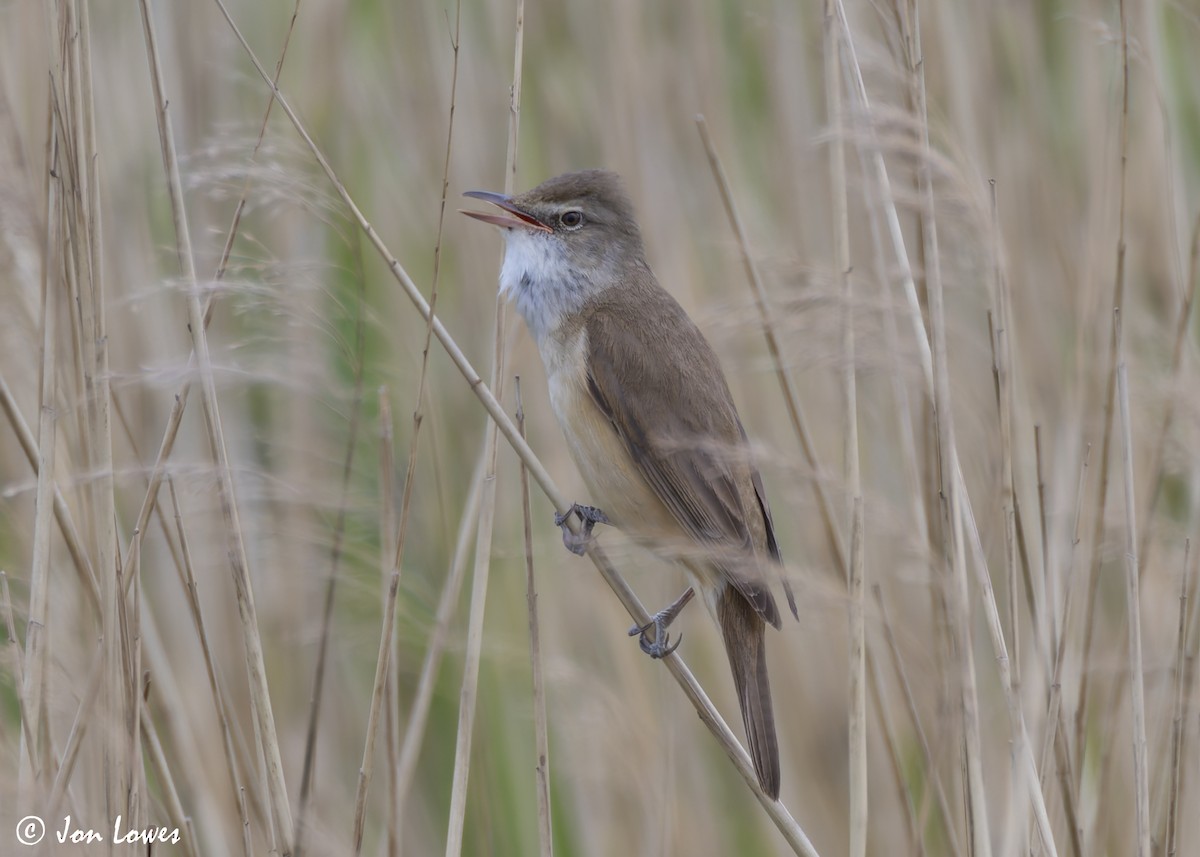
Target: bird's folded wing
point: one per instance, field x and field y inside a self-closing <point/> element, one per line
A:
<point x="678" y="421"/>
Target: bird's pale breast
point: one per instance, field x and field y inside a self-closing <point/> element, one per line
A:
<point x="613" y="479"/>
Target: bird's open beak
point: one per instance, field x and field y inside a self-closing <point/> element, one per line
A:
<point x="504" y="201"/>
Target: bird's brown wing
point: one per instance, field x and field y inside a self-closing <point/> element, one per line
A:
<point x="760" y="494"/>
<point x="676" y="417"/>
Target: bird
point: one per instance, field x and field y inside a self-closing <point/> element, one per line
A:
<point x="649" y="420"/>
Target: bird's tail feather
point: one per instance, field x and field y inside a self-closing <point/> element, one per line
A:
<point x="744" y="630"/>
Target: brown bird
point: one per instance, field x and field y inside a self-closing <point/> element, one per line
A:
<point x="648" y="417"/>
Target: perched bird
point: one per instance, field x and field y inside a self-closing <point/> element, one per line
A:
<point x="648" y="418"/>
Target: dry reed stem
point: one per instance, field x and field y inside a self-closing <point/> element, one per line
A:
<point x="468" y="694"/>
<point x="179" y="404"/>
<point x="191" y="743"/>
<point x="1133" y="608"/>
<point x="1174" y="389"/>
<point x="17" y="657"/>
<point x="910" y="460"/>
<point x="259" y="692"/>
<point x="166" y="781"/>
<point x="1022" y="748"/>
<point x="410" y="473"/>
<point x="1006" y="489"/>
<point x="837" y="550"/>
<point x="930" y="769"/>
<point x="778" y="813"/>
<point x="896" y="234"/>
<point x="33" y="688"/>
<point x="70" y="534"/>
<point x="487" y="510"/>
<point x="314" y="710"/>
<point x="83" y="254"/>
<point x="1050" y="632"/>
<point x="791" y="396"/>
<point x="1171" y="835"/>
<point x="1118" y="687"/>
<point x="245" y="821"/>
<point x="1066" y="787"/>
<point x="1010" y="668"/>
<point x="381" y="672"/>
<point x="180" y="399"/>
<point x="859" y="773"/>
<point x="385" y="654"/>
<point x="1055" y="735"/>
<point x="235" y="224"/>
<point x="541" y="765"/>
<point x="951" y="488"/>
<point x="855" y="569"/>
<point x="1002" y="374"/>
<point x="418" y="412"/>
<point x="1191" y="659"/>
<point x="791" y="399"/>
<point x="62" y="514"/>
<point x="181" y="559"/>
<point x="137" y="684"/>
<point x="387" y="640"/>
<point x="958" y="502"/>
<point x="929" y="497"/>
<point x="391" y="700"/>
<point x="418" y="714"/>
<point x="892" y="739"/>
<point x="83" y="716"/>
<point x="1110" y="400"/>
<point x="335" y="557"/>
<point x="210" y="669"/>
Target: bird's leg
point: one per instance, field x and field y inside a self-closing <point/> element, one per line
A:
<point x="660" y="646"/>
<point x="577" y="542"/>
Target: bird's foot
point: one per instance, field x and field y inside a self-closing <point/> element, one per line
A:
<point x="659" y="646"/>
<point x="577" y="542"/>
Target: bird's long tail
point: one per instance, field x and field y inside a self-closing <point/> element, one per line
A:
<point x="744" y="632"/>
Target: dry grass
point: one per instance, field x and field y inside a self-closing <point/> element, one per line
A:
<point x="174" y="568"/>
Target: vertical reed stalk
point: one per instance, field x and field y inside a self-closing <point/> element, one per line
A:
<point x="265" y="730"/>
<point x="29" y="790"/>
<point x="1171" y="837"/>
<point x="951" y="487"/>
<point x="1141" y="775"/>
<point x="857" y="726"/>
<point x="541" y="766"/>
<point x="391" y="700"/>
<point x="487" y="512"/>
<point x="1110" y="395"/>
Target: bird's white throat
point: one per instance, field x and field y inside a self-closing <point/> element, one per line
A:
<point x="538" y="277"/>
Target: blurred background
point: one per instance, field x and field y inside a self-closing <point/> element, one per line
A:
<point x="313" y="344"/>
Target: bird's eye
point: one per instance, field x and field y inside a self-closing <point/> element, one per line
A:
<point x="572" y="219"/>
